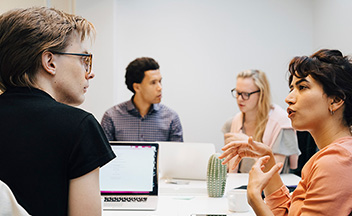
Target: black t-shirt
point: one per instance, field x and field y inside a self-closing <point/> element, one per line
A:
<point x="44" y="144"/>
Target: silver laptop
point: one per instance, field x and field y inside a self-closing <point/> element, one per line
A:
<point x="130" y="181"/>
<point x="184" y="160"/>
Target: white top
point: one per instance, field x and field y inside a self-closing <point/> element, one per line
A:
<point x="9" y="205"/>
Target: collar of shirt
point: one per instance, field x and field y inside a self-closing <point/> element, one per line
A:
<point x="25" y="90"/>
<point x="131" y="108"/>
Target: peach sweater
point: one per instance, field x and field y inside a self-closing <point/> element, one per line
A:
<point x="325" y="187"/>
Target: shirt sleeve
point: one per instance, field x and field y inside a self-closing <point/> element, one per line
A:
<point x="91" y="149"/>
<point x="108" y="126"/>
<point x="279" y="201"/>
<point x="226" y="128"/>
<point x="176" y="133"/>
<point x="327" y="185"/>
<point x="323" y="190"/>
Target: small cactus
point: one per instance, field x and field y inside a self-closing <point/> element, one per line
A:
<point x="216" y="176"/>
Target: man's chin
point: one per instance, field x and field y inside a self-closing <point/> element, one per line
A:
<point x="157" y="101"/>
<point x="73" y="102"/>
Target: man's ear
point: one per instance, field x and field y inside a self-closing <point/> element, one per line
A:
<point x="136" y="87"/>
<point x="48" y="62"/>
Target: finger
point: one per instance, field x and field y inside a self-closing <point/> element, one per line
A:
<point x="228" y="160"/>
<point x="226" y="153"/>
<point x="253" y="143"/>
<point x="232" y="144"/>
<point x="274" y="169"/>
<point x="261" y="161"/>
<point x="229" y="157"/>
<point x="227" y="135"/>
<point x="237" y="160"/>
<point x="228" y="140"/>
<point x="227" y="146"/>
<point x="250" y="140"/>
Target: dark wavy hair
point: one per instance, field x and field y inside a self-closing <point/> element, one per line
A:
<point x="332" y="70"/>
<point x="135" y="70"/>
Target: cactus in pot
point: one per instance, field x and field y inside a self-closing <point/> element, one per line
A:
<point x="216" y="176"/>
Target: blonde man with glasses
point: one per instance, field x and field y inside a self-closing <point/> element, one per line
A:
<point x="51" y="152"/>
<point x="262" y="120"/>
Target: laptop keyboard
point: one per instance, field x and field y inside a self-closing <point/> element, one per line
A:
<point x="125" y="199"/>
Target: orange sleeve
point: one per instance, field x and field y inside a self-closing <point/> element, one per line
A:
<point x="279" y="201"/>
<point x="327" y="185"/>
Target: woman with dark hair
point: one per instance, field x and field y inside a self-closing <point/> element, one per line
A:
<point x="320" y="101"/>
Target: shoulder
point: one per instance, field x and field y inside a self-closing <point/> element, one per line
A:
<point x="238" y="117"/>
<point x="121" y="107"/>
<point x="69" y="111"/>
<point x="236" y="124"/>
<point x="165" y="109"/>
<point x="340" y="151"/>
<point x="336" y="158"/>
<point x="73" y="116"/>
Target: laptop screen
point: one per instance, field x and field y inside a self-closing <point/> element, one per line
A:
<point x="133" y="172"/>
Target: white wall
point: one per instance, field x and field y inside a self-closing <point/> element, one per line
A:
<point x="333" y="25"/>
<point x="66" y="5"/>
<point x="102" y="88"/>
<point x="201" y="45"/>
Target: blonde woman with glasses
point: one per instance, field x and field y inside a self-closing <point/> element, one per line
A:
<point x="259" y="118"/>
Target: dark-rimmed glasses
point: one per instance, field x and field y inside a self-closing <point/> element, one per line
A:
<point x="244" y="95"/>
<point x="87" y="59"/>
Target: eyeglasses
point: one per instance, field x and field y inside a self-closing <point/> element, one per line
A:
<point x="244" y="95"/>
<point x="87" y="59"/>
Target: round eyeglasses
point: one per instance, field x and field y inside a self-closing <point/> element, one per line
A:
<point x="244" y="95"/>
<point x="86" y="57"/>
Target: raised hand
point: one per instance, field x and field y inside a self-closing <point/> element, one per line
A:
<point x="236" y="150"/>
<point x="258" y="180"/>
<point x="229" y="137"/>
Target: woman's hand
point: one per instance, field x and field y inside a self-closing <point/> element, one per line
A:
<point x="236" y="150"/>
<point x="229" y="137"/>
<point x="257" y="181"/>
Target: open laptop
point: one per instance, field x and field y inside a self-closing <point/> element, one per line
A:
<point x="184" y="160"/>
<point x="130" y="181"/>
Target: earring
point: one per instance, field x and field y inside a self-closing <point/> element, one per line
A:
<point x="331" y="111"/>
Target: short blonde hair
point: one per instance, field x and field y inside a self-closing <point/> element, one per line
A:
<point x="26" y="33"/>
<point x="264" y="103"/>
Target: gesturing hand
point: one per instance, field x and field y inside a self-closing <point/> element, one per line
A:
<point x="229" y="137"/>
<point x="258" y="180"/>
<point x="236" y="150"/>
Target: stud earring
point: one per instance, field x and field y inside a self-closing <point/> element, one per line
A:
<point x="331" y="111"/>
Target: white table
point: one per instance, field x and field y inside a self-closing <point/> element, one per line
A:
<point x="187" y="199"/>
